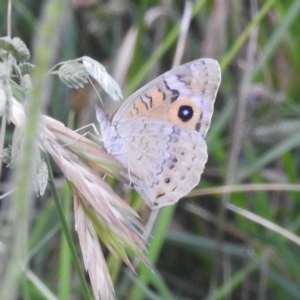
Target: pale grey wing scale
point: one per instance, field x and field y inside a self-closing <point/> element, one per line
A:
<point x="168" y="159"/>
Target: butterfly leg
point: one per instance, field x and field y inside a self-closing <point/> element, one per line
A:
<point x="86" y="134"/>
<point x="87" y="126"/>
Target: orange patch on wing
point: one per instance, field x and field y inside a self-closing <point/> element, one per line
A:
<point x="157" y="97"/>
<point x="160" y="112"/>
<point x="151" y="107"/>
<point x="140" y="107"/>
<point x="129" y="115"/>
<point x="174" y="109"/>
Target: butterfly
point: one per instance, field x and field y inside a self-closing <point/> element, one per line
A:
<point x="158" y="132"/>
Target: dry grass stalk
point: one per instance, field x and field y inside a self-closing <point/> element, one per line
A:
<point x="98" y="210"/>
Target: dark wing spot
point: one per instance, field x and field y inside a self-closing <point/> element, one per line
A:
<point x="164" y="95"/>
<point x="144" y="102"/>
<point x="174" y="139"/>
<point x="176" y="130"/>
<point x="158" y="196"/>
<point x="161" y="168"/>
<point x="175" y="93"/>
<point x="185" y="113"/>
<point x="173" y="159"/>
<point x="171" y="166"/>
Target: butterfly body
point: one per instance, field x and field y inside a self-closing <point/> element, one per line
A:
<point x="158" y="133"/>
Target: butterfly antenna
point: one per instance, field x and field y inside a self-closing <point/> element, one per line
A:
<point x="100" y="99"/>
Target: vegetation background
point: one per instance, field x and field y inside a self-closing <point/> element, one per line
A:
<point x="236" y="236"/>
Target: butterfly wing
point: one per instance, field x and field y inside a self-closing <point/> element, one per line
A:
<point x="158" y="133"/>
<point x="168" y="159"/>
<point x="184" y="95"/>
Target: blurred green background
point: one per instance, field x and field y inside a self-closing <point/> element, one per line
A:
<point x="211" y="245"/>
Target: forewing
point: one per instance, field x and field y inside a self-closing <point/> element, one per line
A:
<point x="190" y="88"/>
